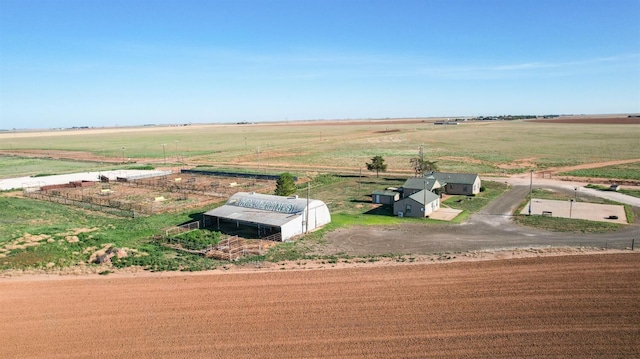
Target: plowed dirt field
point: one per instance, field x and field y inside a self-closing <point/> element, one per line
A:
<point x="571" y="306"/>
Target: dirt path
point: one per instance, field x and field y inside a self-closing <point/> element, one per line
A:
<point x="580" y="306"/>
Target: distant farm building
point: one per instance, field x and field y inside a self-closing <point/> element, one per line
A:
<point x="384" y="197"/>
<point x="420" y="204"/>
<point x="269" y="214"/>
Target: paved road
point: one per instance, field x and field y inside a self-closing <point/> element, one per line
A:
<point x="490" y="229"/>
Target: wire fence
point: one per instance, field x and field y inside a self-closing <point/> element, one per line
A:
<point x="588" y="242"/>
<point x="110" y="208"/>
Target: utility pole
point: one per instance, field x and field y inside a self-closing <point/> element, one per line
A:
<point x="570" y="207"/>
<point x="122" y="154"/>
<point x="424" y="199"/>
<point x="164" y="152"/>
<point x="530" y="191"/>
<point x="258" y="151"/>
<point x="307" y="219"/>
<point x="419" y="166"/>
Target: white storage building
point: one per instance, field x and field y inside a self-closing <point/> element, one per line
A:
<point x="271" y="214"/>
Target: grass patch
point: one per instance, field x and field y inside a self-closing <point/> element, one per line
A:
<point x="139" y="167"/>
<point x="628" y="192"/>
<point x="631" y="192"/>
<point x="557" y="224"/>
<point x="629" y="171"/>
<point x="19" y="216"/>
<point x="40" y="167"/>
<point x="240" y="170"/>
<point x="199" y="239"/>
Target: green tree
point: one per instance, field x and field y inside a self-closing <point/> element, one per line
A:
<point x="420" y="166"/>
<point x="377" y="164"/>
<point x="285" y="186"/>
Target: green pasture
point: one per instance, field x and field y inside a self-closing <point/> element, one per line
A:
<point x="23" y="166"/>
<point x="21" y="216"/>
<point x="628" y="171"/>
<point x="470" y="147"/>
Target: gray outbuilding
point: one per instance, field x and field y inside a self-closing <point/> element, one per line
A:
<point x="384" y="197"/>
<point x="420" y="204"/>
<point x="457" y="183"/>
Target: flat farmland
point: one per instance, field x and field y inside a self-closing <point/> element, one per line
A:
<point x="482" y="147"/>
<point x="571" y="306"/>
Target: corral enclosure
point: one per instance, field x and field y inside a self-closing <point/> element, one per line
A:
<point x="146" y="196"/>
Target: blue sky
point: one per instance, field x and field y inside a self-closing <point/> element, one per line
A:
<point x="105" y="63"/>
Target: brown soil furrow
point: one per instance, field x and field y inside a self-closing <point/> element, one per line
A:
<point x="581" y="306"/>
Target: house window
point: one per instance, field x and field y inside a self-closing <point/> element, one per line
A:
<point x="407" y="210"/>
<point x="464" y="188"/>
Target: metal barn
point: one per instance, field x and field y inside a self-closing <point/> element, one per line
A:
<point x="288" y="216"/>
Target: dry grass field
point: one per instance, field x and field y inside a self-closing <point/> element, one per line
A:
<point x="574" y="306"/>
<point x="490" y="147"/>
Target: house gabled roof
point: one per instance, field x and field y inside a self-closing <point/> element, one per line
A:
<point x="420" y="197"/>
<point x="456" y="178"/>
<point x="429" y="183"/>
